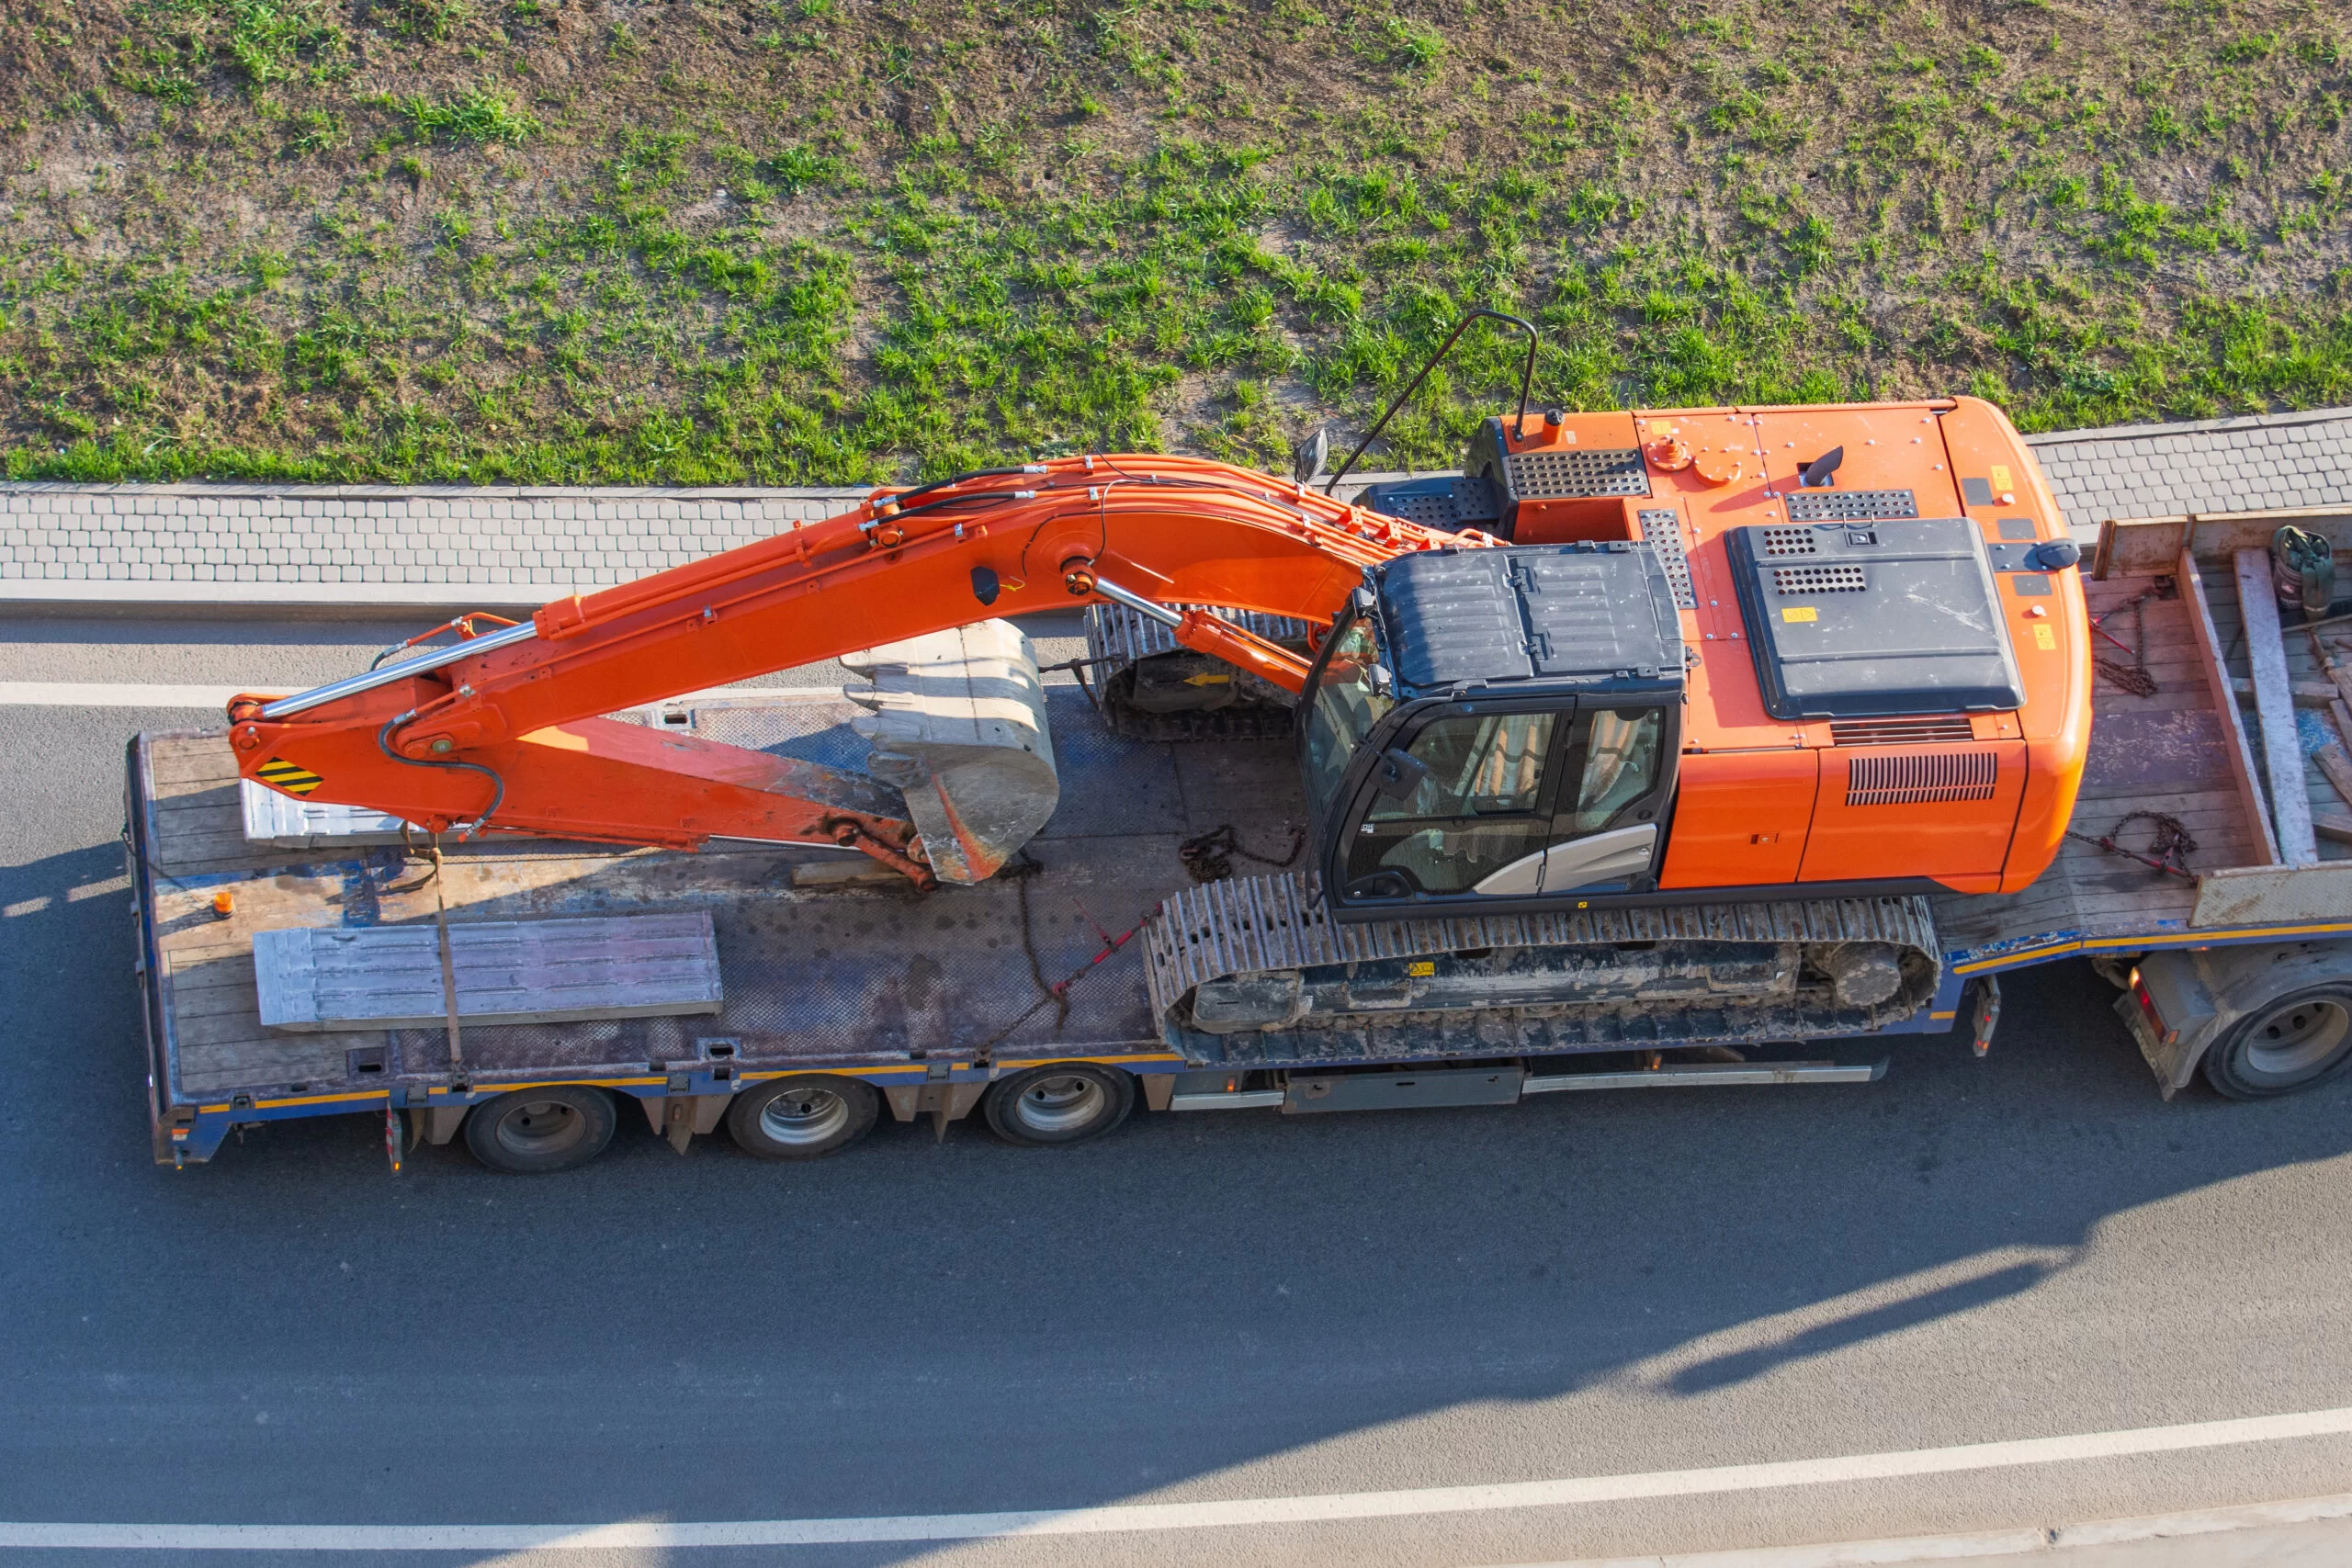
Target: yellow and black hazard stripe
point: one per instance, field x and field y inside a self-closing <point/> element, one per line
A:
<point x="291" y="777"/>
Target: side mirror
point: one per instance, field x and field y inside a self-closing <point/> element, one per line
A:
<point x="1400" y="773"/>
<point x="1308" y="457"/>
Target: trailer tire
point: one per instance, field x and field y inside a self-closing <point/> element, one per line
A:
<point x="2288" y="1044"/>
<point x="807" y="1116"/>
<point x="1064" y="1102"/>
<point x="535" y="1132"/>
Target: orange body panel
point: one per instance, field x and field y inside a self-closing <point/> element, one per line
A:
<point x="1717" y="469"/>
<point x="1948" y="838"/>
<point x="1567" y="520"/>
<point x="1572" y="522"/>
<point x="2056" y="723"/>
<point x="1741" y="819"/>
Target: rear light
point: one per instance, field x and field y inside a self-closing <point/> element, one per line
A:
<point x="2156" y="1026"/>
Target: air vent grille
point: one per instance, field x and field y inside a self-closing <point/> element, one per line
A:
<point x="1900" y="731"/>
<point x="1818" y="580"/>
<point x="1790" y="541"/>
<point x="1909" y="780"/>
<point x="1850" y="505"/>
<point x="1662" y="531"/>
<point x="1542" y="476"/>
<point x="1430" y="510"/>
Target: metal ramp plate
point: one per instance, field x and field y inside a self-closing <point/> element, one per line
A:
<point x="281" y="820"/>
<point x="313" y="979"/>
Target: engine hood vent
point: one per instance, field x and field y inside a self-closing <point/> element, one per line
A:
<point x="1877" y="619"/>
<point x="1901" y="731"/>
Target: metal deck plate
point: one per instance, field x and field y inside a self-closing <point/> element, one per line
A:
<point x="311" y="979"/>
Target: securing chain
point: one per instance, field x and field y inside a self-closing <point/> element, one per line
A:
<point x="1054" y="994"/>
<point x="2134" y="677"/>
<point x="448" y="964"/>
<point x="2169" y="842"/>
<point x="1208" y="857"/>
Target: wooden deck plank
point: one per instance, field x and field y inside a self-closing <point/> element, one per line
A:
<point x="2240" y="752"/>
<point x="255" y="1061"/>
<point x="2282" y="749"/>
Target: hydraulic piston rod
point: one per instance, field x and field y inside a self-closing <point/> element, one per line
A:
<point x="335" y="691"/>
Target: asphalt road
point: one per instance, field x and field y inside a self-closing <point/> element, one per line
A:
<point x="1198" y="1307"/>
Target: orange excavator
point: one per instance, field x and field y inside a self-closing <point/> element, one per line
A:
<point x="1644" y="658"/>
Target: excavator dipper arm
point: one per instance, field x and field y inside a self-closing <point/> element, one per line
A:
<point x="503" y="732"/>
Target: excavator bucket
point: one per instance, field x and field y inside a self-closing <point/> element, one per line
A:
<point x="959" y="725"/>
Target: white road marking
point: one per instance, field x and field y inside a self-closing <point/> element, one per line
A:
<point x="1146" y="1516"/>
<point x="135" y="695"/>
<point x="112" y="695"/>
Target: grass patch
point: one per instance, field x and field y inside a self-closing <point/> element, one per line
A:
<point x="798" y="240"/>
<point x="477" y="116"/>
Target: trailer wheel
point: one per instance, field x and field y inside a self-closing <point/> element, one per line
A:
<point x="803" y="1117"/>
<point x="2292" y="1044"/>
<point x="535" y="1131"/>
<point x="1063" y="1103"/>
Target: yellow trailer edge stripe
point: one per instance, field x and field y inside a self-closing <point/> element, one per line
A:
<point x="2086" y="945"/>
<point x="280" y="1103"/>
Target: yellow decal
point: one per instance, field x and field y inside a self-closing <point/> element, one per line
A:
<point x="2044" y="637"/>
<point x="287" y="776"/>
<point x="1208" y="680"/>
<point x="1421" y="969"/>
<point x="1801" y="613"/>
<point x="2001" y="477"/>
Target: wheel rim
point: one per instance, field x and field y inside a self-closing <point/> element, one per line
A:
<point x="1062" y="1102"/>
<point x="799" y="1117"/>
<point x="539" y="1128"/>
<point x="2298" y="1037"/>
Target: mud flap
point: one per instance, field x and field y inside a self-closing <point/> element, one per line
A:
<point x="960" y="726"/>
<point x="1985" y="1014"/>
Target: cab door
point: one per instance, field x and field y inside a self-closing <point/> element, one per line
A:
<point x="1610" y="824"/>
<point x="1461" y="807"/>
<point x="1488" y="807"/>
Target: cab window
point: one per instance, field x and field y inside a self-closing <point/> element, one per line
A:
<point x="1617" y="757"/>
<point x="1347" y="703"/>
<point x="1477" y="767"/>
<point x="1472" y="813"/>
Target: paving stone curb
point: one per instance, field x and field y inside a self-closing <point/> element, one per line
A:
<point x="361" y="548"/>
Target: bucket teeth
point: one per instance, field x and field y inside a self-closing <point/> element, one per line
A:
<point x="958" y="724"/>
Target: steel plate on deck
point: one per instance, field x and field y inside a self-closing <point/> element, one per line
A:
<point x="506" y="971"/>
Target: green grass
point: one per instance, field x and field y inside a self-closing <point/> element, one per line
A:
<point x="791" y="241"/>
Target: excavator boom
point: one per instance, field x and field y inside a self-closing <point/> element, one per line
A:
<point x="502" y="732"/>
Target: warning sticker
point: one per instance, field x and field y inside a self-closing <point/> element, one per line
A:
<point x="2001" y="477"/>
<point x="291" y="777"/>
<point x="1801" y="613"/>
<point x="2045" y="637"/>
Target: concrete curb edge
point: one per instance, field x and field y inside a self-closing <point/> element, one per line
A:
<point x="1998" y="1545"/>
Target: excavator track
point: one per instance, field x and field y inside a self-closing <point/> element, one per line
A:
<point x="1625" y="978"/>
<point x="1118" y="641"/>
<point x="1114" y="701"/>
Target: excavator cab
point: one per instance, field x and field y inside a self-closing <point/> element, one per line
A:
<point x="1495" y="730"/>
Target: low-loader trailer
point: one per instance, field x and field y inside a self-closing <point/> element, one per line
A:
<point x="1701" y="748"/>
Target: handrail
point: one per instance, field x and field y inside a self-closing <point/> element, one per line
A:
<point x="1526" y="379"/>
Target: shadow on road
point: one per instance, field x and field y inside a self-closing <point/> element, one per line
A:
<point x="293" y="1333"/>
<point x="1852" y="1329"/>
